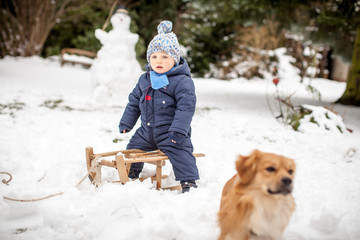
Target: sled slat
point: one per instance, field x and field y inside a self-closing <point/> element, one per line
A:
<point x="199" y="155"/>
<point x="158" y="177"/>
<point x="108" y="154"/>
<point x="146" y="159"/>
<point x="121" y="169"/>
<point x="108" y="163"/>
<point x="152" y="153"/>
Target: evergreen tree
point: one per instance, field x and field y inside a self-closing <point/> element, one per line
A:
<point x="208" y="34"/>
<point x="76" y="28"/>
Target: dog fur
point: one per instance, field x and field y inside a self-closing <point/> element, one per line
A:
<point x="257" y="203"/>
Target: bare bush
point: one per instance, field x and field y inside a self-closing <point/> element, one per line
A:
<point x="25" y="25"/>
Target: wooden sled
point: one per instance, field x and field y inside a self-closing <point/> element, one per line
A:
<point x="122" y="162"/>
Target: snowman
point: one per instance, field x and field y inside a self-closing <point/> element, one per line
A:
<point x="115" y="71"/>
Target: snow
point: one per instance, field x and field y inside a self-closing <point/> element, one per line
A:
<point x="48" y="118"/>
<point x="78" y="59"/>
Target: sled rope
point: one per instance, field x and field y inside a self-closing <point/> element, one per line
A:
<point x="10" y="178"/>
<point x="33" y="200"/>
<point x="94" y="166"/>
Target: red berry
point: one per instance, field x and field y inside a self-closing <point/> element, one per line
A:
<point x="276" y="81"/>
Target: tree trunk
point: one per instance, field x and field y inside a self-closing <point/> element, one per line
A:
<point x="351" y="95"/>
<point x="25" y="25"/>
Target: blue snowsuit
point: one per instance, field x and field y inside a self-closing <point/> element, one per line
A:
<point x="166" y="115"/>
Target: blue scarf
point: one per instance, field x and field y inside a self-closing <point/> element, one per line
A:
<point x="159" y="80"/>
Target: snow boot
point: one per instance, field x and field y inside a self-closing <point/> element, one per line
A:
<point x="134" y="174"/>
<point x="186" y="185"/>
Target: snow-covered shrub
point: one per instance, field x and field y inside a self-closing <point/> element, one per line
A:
<point x="246" y="63"/>
<point x="314" y="118"/>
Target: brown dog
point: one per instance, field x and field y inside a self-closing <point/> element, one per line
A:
<point x="257" y="203"/>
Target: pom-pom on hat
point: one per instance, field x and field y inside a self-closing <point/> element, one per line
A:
<point x="165" y="41"/>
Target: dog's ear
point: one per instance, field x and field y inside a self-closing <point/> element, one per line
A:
<point x="246" y="166"/>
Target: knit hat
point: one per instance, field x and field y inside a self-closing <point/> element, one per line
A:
<point x="165" y="41"/>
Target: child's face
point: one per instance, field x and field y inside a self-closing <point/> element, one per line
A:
<point x="160" y="62"/>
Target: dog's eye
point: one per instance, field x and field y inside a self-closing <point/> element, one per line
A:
<point x="291" y="171"/>
<point x="270" y="169"/>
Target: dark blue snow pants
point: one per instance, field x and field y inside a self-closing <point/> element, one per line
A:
<point x="180" y="155"/>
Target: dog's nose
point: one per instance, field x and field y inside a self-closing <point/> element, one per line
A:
<point x="286" y="181"/>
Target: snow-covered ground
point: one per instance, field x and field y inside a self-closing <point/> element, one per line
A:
<point x="48" y="117"/>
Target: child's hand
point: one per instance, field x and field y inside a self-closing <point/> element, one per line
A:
<point x="176" y="137"/>
<point x="124" y="129"/>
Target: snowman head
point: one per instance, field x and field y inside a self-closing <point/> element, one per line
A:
<point x="120" y="20"/>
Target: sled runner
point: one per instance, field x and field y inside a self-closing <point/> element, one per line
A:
<point x="122" y="162"/>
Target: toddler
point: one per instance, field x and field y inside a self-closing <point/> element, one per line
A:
<point x="164" y="99"/>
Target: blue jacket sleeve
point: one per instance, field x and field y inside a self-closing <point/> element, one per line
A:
<point x="132" y="111"/>
<point x="185" y="108"/>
